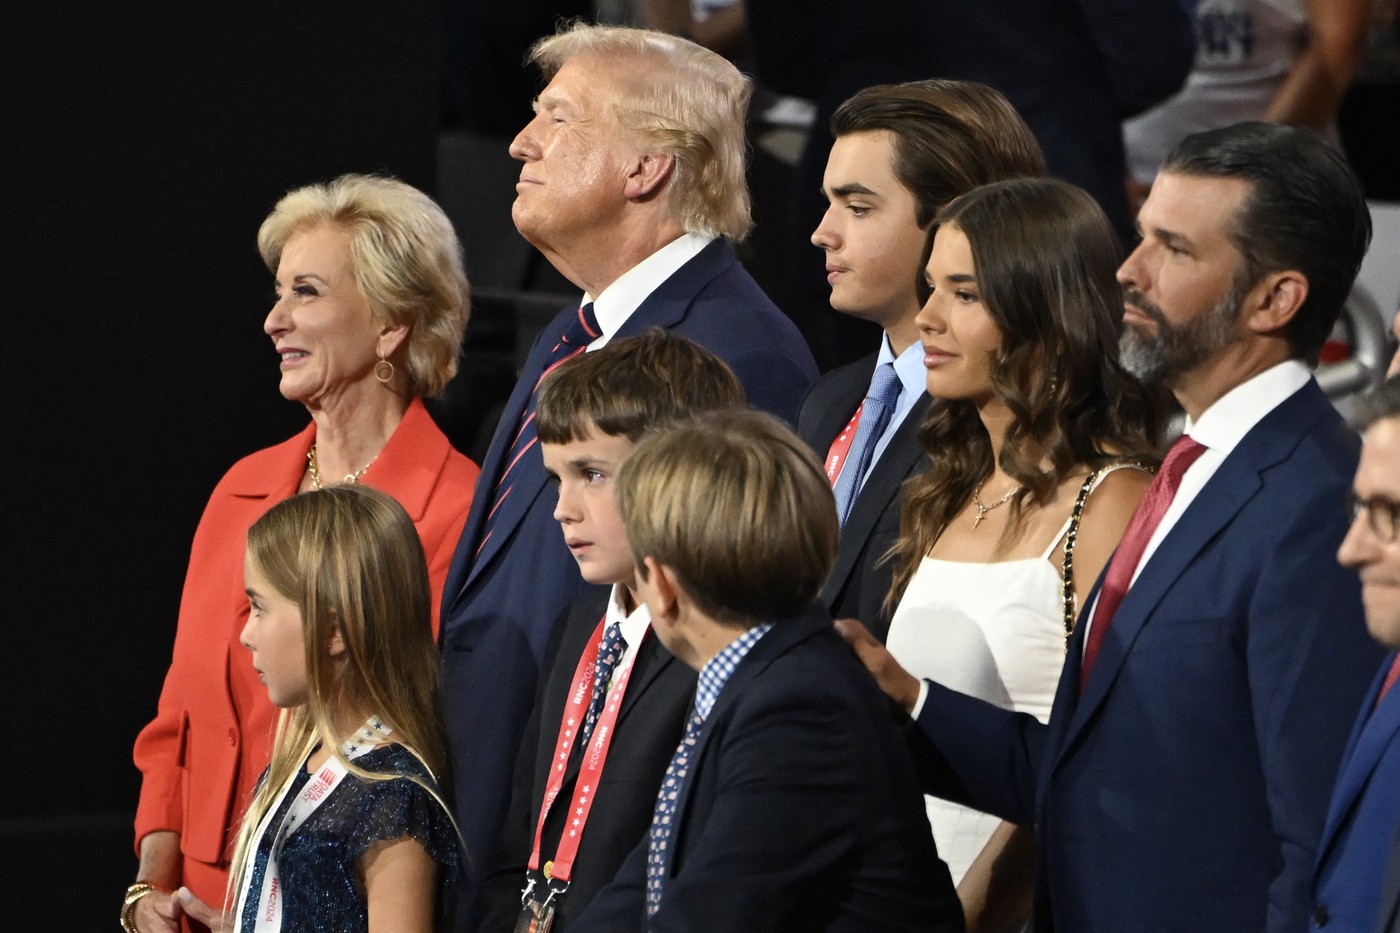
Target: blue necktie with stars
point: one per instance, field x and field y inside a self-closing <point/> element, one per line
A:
<point x="610" y="651"/>
<point x="662" y="820"/>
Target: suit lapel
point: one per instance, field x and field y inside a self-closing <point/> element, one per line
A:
<point x="1374" y="733"/>
<point x="1237" y="480"/>
<point x="670" y="302"/>
<point x="652" y="660"/>
<point x="777" y="642"/>
<point x="466" y="563"/>
<point x="897" y="461"/>
<point x="849" y="388"/>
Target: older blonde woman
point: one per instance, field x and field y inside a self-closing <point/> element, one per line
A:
<point x="371" y="303"/>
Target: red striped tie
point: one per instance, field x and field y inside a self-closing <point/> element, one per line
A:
<point x="581" y="331"/>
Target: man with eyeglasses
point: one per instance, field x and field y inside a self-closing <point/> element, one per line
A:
<point x="1352" y="889"/>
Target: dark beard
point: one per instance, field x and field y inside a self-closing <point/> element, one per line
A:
<point x="1175" y="348"/>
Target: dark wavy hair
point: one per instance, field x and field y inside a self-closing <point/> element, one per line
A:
<point x="1046" y="258"/>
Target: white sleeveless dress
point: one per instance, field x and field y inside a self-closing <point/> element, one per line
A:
<point x="990" y="630"/>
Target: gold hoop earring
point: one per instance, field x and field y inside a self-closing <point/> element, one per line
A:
<point x="384" y="371"/>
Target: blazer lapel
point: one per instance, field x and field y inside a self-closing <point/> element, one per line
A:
<point x="1214" y="508"/>
<point x="669" y="303"/>
<point x="651" y="660"/>
<point x="900" y="457"/>
<point x="846" y="394"/>
<point x="1237" y="480"/>
<point x="779" y="639"/>
<point x="524" y="488"/>
<point x="1369" y="740"/>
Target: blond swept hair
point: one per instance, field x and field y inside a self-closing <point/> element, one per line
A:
<point x="351" y="560"/>
<point x="406" y="260"/>
<point x="679" y="98"/>
<point x="737" y="506"/>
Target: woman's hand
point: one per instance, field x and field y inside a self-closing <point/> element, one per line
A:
<point x="899" y="685"/>
<point x="157" y="912"/>
<point x="216" y="920"/>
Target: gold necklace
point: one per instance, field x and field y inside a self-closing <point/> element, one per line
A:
<point x="315" y="474"/>
<point x="982" y="510"/>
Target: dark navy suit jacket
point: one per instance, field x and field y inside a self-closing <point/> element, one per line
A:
<point x="800" y="811"/>
<point x="1389" y="918"/>
<point x="860" y="580"/>
<point x="502" y="597"/>
<point x="1186" y="788"/>
<point x="650" y="723"/>
<point x="1362" y="820"/>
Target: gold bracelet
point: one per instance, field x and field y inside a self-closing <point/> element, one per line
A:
<point x="133" y="894"/>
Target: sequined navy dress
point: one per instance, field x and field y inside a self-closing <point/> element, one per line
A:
<point x="317" y="862"/>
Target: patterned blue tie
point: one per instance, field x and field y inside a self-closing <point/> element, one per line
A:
<point x="610" y="651"/>
<point x="661" y="821"/>
<point x="874" y="418"/>
<point x="582" y="330"/>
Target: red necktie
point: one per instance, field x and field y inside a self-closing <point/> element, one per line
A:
<point x="582" y="330"/>
<point x="1390" y="678"/>
<point x="1129" y="554"/>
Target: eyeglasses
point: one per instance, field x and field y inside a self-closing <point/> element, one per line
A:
<point x="1383" y="515"/>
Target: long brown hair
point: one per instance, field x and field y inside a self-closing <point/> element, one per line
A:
<point x="350" y="559"/>
<point x="1046" y="259"/>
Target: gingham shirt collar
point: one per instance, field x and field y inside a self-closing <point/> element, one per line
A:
<point x="716" y="673"/>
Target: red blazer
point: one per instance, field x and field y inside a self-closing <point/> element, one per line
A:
<point x="210" y="740"/>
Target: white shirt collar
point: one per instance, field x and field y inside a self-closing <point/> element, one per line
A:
<point x="617" y="302"/>
<point x="633" y="625"/>
<point x="1234" y="414"/>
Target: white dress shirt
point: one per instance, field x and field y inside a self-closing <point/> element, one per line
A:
<point x="634" y="629"/>
<point x="619" y="300"/>
<point x="1220" y="429"/>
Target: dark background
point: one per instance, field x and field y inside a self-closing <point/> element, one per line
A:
<point x="143" y="146"/>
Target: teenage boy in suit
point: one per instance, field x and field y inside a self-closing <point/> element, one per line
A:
<point x="790" y="803"/>
<point x="902" y="152"/>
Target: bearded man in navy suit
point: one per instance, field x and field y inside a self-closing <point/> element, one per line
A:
<point x="632" y="186"/>
<point x="1182" y="780"/>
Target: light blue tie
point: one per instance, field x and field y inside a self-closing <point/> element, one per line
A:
<point x="874" y="418"/>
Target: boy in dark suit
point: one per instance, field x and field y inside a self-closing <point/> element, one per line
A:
<point x="613" y="701"/>
<point x="790" y="803"/>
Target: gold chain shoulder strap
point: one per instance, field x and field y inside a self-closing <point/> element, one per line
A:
<point x="1067" y="569"/>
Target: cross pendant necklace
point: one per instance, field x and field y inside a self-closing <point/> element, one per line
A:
<point x="983" y="509"/>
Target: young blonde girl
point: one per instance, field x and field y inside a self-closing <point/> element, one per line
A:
<point x="347" y="829"/>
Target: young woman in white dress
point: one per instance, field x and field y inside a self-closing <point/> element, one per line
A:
<point x="1034" y="420"/>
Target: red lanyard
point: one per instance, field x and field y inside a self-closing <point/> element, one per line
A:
<point x="842" y="446"/>
<point x="595" y="756"/>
